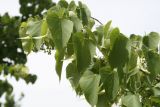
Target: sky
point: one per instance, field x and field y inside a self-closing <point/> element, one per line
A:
<point x="131" y="16"/>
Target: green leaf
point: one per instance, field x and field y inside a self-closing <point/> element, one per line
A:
<point x="118" y="56"/>
<point x="89" y="84"/>
<point x="72" y="74"/>
<point x="59" y="55"/>
<point x="92" y="48"/>
<point x="151" y="40"/>
<point x="136" y="41"/>
<point x="67" y="27"/>
<point x="132" y="60"/>
<point x="102" y="100"/>
<point x="84" y="17"/>
<point x="72" y="6"/>
<point x="58" y="11"/>
<point x="106" y="38"/>
<point x="157" y="85"/>
<point x="99" y="35"/>
<point x="82" y="51"/>
<point x="61" y="29"/>
<point x="155" y="100"/>
<point x="31" y="30"/>
<point x="27" y="44"/>
<point x="113" y="36"/>
<point x="131" y="100"/>
<point x="121" y="75"/>
<point x="63" y="3"/>
<point x="77" y="22"/>
<point x="37" y="44"/>
<point x="44" y="27"/>
<point x="85" y="13"/>
<point x="30" y="78"/>
<point x="110" y="80"/>
<point x="153" y="63"/>
<point x="106" y="29"/>
<point x="33" y="27"/>
<point x="156" y="91"/>
<point x="70" y="49"/>
<point x="91" y="23"/>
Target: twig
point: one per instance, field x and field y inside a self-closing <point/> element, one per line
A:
<point x="97" y="20"/>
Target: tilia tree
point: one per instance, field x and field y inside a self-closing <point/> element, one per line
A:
<point x="127" y="72"/>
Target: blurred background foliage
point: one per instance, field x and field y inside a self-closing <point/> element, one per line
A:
<point x="12" y="56"/>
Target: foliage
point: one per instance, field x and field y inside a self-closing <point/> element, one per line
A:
<point x="127" y="72"/>
<point x="12" y="56"/>
<point x="30" y="8"/>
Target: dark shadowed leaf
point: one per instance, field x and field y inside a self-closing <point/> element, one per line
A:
<point x="153" y="63"/>
<point x="85" y="13"/>
<point x="151" y="40"/>
<point x="118" y="56"/>
<point x="82" y="52"/>
<point x="102" y="100"/>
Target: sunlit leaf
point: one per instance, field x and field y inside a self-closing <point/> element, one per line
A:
<point x="26" y="43"/>
<point x="106" y="29"/>
<point x="33" y="27"/>
<point x="61" y="29"/>
<point x="131" y="100"/>
<point x="77" y="23"/>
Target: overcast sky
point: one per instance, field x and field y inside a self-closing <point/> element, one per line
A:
<point x="131" y="16"/>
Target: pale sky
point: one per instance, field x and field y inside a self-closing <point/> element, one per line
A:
<point x="131" y="16"/>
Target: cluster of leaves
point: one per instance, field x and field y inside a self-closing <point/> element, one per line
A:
<point x="30" y="8"/>
<point x="12" y="56"/>
<point x="7" y="89"/>
<point x="127" y="72"/>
